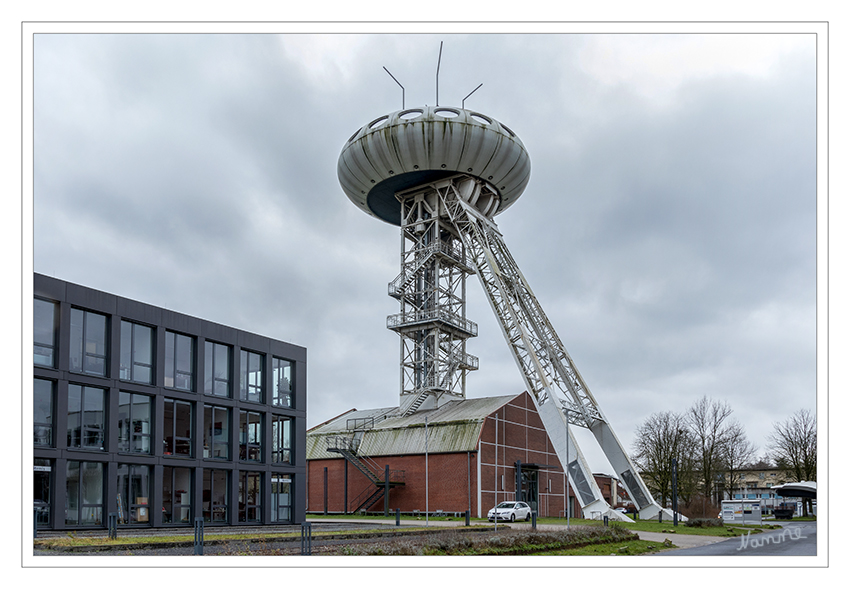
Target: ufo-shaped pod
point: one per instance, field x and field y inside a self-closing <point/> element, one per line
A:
<point x="419" y="145"/>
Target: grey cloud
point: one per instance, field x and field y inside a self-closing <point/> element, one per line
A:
<point x="669" y="242"/>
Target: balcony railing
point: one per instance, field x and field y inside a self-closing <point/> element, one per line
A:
<point x="440" y="314"/>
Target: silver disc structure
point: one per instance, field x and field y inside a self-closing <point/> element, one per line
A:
<point x="442" y="174"/>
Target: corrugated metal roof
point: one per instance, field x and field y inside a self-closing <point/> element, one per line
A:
<point x="454" y="427"/>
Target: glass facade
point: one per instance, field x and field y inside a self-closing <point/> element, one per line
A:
<point x="134" y="492"/>
<point x="281" y="497"/>
<point x="44" y="333"/>
<point x="250" y="436"/>
<point x="216" y="369"/>
<point x="281" y="439"/>
<point x="281" y="382"/>
<point x="84" y="493"/>
<point x="121" y="423"/>
<point x="251" y="377"/>
<point x="134" y="423"/>
<point x="42" y="419"/>
<point x="86" y="417"/>
<point x="42" y="484"/>
<point x="88" y="342"/>
<point x="215" y="495"/>
<point x="250" y="496"/>
<point x="177" y="428"/>
<point x="176" y="495"/>
<point x="136" y="362"/>
<point x="216" y="432"/>
<point x="179" y="361"/>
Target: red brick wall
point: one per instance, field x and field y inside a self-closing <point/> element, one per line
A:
<point x="451" y="485"/>
<point x="515" y="432"/>
<point x="453" y="478"/>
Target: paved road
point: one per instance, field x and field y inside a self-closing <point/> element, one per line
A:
<point x="794" y="539"/>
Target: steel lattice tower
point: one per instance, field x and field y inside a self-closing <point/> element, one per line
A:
<point x="441" y="174"/>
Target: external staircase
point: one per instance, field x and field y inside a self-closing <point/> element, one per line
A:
<point x="382" y="479"/>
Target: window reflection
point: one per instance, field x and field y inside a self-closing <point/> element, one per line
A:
<point x="177" y="427"/>
<point x="281" y="382"/>
<point x="86" y="425"/>
<point x="44" y="333"/>
<point x="179" y="359"/>
<point x="251" y="377"/>
<point x="88" y="342"/>
<point x="134" y="423"/>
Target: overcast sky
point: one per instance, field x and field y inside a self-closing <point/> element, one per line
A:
<point x="668" y="228"/>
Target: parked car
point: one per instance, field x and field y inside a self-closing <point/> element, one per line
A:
<point x="510" y="511"/>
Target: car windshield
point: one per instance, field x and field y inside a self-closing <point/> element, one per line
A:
<point x="505" y="506"/>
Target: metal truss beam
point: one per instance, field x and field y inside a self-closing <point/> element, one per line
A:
<point x="554" y="382"/>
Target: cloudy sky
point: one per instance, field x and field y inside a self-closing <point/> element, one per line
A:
<point x="669" y="227"/>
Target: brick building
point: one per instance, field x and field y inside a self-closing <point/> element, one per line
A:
<point x="471" y="453"/>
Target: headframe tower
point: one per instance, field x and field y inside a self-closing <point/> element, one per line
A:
<point x="441" y="174"/>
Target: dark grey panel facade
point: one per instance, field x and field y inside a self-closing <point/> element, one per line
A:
<point x="132" y="456"/>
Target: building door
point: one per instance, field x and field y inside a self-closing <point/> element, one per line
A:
<point x="529" y="489"/>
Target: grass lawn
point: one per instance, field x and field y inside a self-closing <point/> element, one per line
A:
<point x="666" y="527"/>
<point x="640" y="525"/>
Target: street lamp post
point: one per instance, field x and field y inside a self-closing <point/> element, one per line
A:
<point x="426" y="471"/>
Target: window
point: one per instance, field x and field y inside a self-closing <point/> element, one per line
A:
<point x="176" y="495"/>
<point x="88" y="342"/>
<point x="177" y="428"/>
<point x="42" y="479"/>
<point x="83" y="493"/>
<point x="215" y="496"/>
<point x="281" y="439"/>
<point x="216" y="432"/>
<point x="281" y="382"/>
<point x="86" y="425"/>
<point x="44" y="333"/>
<point x="216" y="369"/>
<point x="250" y="492"/>
<point x="136" y="353"/>
<point x="251" y="377"/>
<point x="250" y="436"/>
<point x="134" y="484"/>
<point x="42" y="420"/>
<point x="134" y="423"/>
<point x="281" y="498"/>
<point x="179" y="358"/>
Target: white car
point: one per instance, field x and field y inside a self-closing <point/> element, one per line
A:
<point x="510" y="511"/>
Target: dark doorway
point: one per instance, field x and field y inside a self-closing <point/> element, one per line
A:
<point x="529" y="488"/>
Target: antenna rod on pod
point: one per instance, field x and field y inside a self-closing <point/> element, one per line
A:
<point x="402" y="87"/>
<point x="463" y="102"/>
<point x="440" y="57"/>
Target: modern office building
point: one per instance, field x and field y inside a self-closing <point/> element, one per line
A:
<point x="160" y="417"/>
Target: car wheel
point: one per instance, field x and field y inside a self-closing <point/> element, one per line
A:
<point x="528" y="516"/>
<point x="513" y="516"/>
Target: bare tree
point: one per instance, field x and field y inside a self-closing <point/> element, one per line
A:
<point x="660" y="438"/>
<point x="736" y="453"/>
<point x="764" y="461"/>
<point x="794" y="444"/>
<point x="706" y="419"/>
